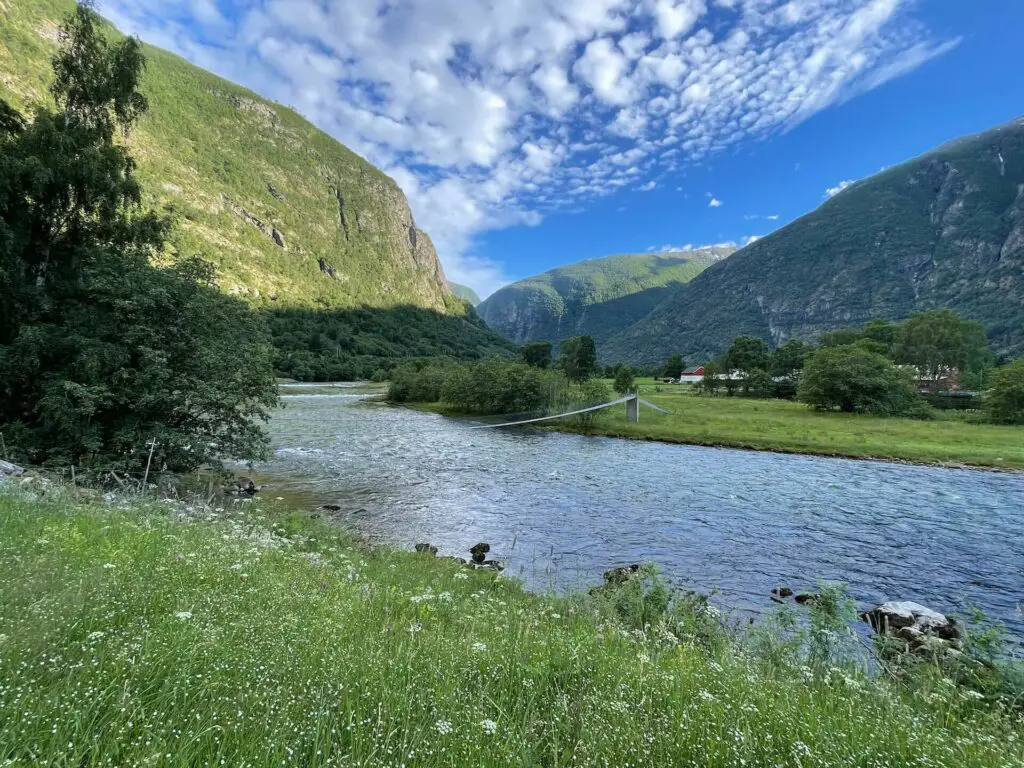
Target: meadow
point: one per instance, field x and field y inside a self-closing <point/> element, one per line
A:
<point x="171" y="633"/>
<point x="790" y="427"/>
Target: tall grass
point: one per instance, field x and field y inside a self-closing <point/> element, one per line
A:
<point x="172" y="634"/>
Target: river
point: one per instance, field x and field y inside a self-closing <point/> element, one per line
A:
<point x="560" y="509"/>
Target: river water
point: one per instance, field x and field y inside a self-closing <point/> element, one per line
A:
<point x="560" y="509"/>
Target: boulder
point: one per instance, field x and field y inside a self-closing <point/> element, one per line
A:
<point x="278" y="238"/>
<point x="331" y="507"/>
<point x="782" y="592"/>
<point x="620" y="574"/>
<point x="912" y="622"/>
<point x="920" y="627"/>
<point x="9" y="469"/>
<point x="807" y="597"/>
<point x="426" y="549"/>
<point x="479" y="551"/>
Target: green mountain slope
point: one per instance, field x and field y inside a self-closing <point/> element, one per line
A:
<point x="598" y="297"/>
<point x="465" y="292"/>
<point x="291" y="219"/>
<point x="942" y="230"/>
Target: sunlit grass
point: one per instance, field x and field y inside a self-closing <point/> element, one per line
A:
<point x="779" y="425"/>
<point x="159" y="634"/>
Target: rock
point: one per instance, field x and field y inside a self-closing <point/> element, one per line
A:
<point x="331" y="507"/>
<point x="274" y="193"/>
<point x="9" y="469"/>
<point x="782" y="592"/>
<point x="278" y="238"/>
<point x="426" y="549"/>
<point x="327" y="269"/>
<point x="486" y="565"/>
<point x="912" y="622"/>
<point x="246" y="487"/>
<point x="620" y="575"/>
<point x="479" y="551"/>
<point x="807" y="597"/>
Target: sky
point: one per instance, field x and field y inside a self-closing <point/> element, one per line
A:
<point x="529" y="134"/>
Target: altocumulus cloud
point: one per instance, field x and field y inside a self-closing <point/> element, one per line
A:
<point x="491" y="114"/>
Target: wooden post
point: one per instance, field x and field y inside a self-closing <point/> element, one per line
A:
<point x="633" y="409"/>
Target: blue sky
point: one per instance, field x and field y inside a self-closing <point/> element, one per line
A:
<point x="534" y="133"/>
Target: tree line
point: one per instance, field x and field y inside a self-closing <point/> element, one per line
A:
<point x="880" y="368"/>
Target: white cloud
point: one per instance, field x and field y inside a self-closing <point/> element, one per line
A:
<point x="494" y="114"/>
<point x="647" y="187"/>
<point x="833" y="191"/>
<point x="715" y="203"/>
<point x="751" y="239"/>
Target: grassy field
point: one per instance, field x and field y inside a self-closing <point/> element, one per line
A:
<point x="779" y="425"/>
<point x="162" y="633"/>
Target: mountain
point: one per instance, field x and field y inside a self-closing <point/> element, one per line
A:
<point x="943" y="230"/>
<point x="598" y="297"/>
<point x="464" y="292"/>
<point x="291" y="219"/>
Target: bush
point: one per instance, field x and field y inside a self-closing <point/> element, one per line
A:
<point x="624" y="380"/>
<point x="1004" y="402"/>
<point x="857" y="380"/>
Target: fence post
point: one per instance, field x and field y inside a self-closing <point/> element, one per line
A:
<point x="633" y="409"/>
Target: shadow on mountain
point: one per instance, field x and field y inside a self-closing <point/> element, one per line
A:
<point x="355" y="344"/>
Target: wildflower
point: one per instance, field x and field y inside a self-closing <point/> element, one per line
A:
<point x="479" y="647"/>
<point x="95" y="635"/>
<point x="109" y="566"/>
<point x="236" y="567"/>
<point x="489" y="726"/>
<point x="184" y="615"/>
<point x="444" y="727"/>
<point x="973" y="695"/>
<point x="414" y="628"/>
<point x="707" y="695"/>
<point x="461" y="576"/>
<point x="556" y="615"/>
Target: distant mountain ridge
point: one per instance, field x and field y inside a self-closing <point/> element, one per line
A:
<point x="942" y="230"/>
<point x="464" y="292"/>
<point x="597" y="297"/>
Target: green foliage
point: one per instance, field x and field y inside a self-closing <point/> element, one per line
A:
<point x="788" y="360"/>
<point x="350" y="345"/>
<point x="1004" y="401"/>
<point x="498" y="386"/>
<point x="674" y="366"/>
<point x="853" y="379"/>
<point x="578" y="358"/>
<point x="747" y="354"/>
<point x="625" y="380"/>
<point x="597" y="298"/>
<point x="99" y="351"/>
<point x="940" y="340"/>
<point x="942" y="230"/>
<point x="537" y="354"/>
<point x="418" y="381"/>
<point x="259" y="638"/>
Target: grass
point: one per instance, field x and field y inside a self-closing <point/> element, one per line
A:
<point x="788" y="427"/>
<point x="163" y="633"/>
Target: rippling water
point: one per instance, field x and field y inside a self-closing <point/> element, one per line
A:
<point x="560" y="509"/>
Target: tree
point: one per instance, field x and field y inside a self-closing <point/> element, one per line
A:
<point x="940" y="341"/>
<point x="624" y="380"/>
<point x="537" y="354"/>
<point x="747" y="354"/>
<point x="709" y="382"/>
<point x="1004" y="402"/>
<point x="99" y="350"/>
<point x="674" y="366"/>
<point x="578" y="358"/>
<point x="841" y="338"/>
<point x="788" y="360"/>
<point x="854" y="379"/>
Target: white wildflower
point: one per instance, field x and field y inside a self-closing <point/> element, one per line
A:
<point x="489" y="726"/>
<point x="95" y="635"/>
<point x="414" y="628"/>
<point x="444" y="727"/>
<point x="461" y="576"/>
<point x="184" y="615"/>
<point x="109" y="566"/>
<point x="479" y="647"/>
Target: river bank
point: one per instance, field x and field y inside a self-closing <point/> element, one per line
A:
<point x="787" y="427"/>
<point x="174" y="633"/>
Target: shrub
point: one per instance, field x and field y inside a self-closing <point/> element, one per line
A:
<point x="1004" y="402"/>
<point x="857" y="380"/>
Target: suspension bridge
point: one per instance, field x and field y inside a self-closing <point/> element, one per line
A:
<point x="633" y="403"/>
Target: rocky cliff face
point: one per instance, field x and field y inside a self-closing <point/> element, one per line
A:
<point x="290" y="217"/>
<point x="598" y="297"/>
<point x="943" y="230"/>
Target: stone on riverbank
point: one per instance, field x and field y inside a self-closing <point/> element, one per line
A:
<point x="920" y="627"/>
<point x="11" y="470"/>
